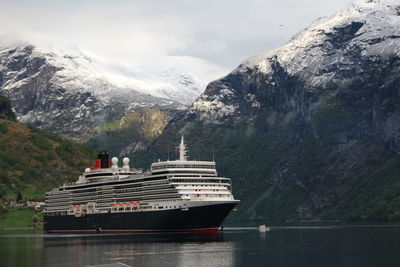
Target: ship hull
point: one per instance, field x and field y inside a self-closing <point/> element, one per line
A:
<point x="196" y="219"/>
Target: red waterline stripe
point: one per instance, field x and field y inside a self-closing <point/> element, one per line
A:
<point x="207" y="230"/>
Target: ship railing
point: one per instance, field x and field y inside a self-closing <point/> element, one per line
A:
<point x="205" y="192"/>
<point x="200" y="186"/>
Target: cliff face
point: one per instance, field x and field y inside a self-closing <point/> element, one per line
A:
<point x="74" y="95"/>
<point x="310" y="130"/>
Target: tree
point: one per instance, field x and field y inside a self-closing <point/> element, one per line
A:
<point x="19" y="197"/>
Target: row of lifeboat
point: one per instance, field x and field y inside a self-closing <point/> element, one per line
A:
<point x="81" y="211"/>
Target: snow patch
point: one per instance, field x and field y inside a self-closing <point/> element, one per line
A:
<point x="379" y="34"/>
<point x="212" y="111"/>
<point x="81" y="73"/>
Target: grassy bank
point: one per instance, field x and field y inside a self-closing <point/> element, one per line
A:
<point x="20" y="218"/>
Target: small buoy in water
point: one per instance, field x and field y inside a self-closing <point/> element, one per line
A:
<point x="262" y="228"/>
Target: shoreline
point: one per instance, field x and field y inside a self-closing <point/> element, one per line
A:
<point x="21" y="229"/>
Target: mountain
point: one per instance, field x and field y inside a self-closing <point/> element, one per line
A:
<point x="33" y="161"/>
<point x="73" y="95"/>
<point x="133" y="132"/>
<point x="310" y="130"/>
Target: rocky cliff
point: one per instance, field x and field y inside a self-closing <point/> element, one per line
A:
<point x="310" y="130"/>
<point x="74" y="95"/>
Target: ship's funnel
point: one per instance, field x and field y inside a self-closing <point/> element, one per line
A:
<point x="104" y="160"/>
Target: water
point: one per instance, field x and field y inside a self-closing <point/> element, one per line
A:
<point x="282" y="246"/>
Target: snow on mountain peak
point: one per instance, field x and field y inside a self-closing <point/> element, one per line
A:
<point x="316" y="56"/>
<point x="73" y="94"/>
<point x="372" y="24"/>
<point x="79" y="72"/>
<point x="367" y="3"/>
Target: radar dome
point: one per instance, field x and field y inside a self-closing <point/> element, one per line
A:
<point x="126" y="161"/>
<point x="114" y="160"/>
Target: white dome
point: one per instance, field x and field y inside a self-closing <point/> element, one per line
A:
<point x="126" y="161"/>
<point x="114" y="160"/>
<point x="87" y="170"/>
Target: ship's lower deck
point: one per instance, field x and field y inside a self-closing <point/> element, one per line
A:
<point x="198" y="218"/>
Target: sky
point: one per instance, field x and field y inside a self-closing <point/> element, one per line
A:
<point x="208" y="38"/>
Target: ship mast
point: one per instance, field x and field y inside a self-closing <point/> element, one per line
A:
<point x="182" y="150"/>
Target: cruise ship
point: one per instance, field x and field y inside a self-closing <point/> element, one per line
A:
<point x="173" y="196"/>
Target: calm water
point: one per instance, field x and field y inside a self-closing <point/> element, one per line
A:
<point x="282" y="246"/>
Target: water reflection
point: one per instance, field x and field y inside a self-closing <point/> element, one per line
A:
<point x="315" y="246"/>
<point x="140" y="250"/>
<point x="262" y="236"/>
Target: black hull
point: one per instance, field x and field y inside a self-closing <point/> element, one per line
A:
<point x="203" y="218"/>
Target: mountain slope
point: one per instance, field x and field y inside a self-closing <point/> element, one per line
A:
<point x="33" y="161"/>
<point x="131" y="133"/>
<point x="72" y="94"/>
<point x="309" y="130"/>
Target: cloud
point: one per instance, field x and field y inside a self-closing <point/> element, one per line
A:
<point x="206" y="37"/>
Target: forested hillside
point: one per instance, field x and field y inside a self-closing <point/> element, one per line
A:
<point x="33" y="161"/>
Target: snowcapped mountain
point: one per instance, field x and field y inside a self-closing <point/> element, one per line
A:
<point x="310" y="130"/>
<point x="71" y="93"/>
<point x="330" y="50"/>
<point x="372" y="26"/>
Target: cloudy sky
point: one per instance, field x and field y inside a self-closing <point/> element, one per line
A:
<point x="206" y="37"/>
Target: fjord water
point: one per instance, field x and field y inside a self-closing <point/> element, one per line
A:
<point x="368" y="245"/>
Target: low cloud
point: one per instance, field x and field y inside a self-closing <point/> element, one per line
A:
<point x="208" y="38"/>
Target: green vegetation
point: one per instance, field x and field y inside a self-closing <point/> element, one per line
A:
<point x="251" y="154"/>
<point x="31" y="192"/>
<point x="328" y="167"/>
<point x="3" y="128"/>
<point x="332" y="118"/>
<point x="20" y="218"/>
<point x="5" y="109"/>
<point x="323" y="168"/>
<point x="133" y="131"/>
<point x="279" y="204"/>
<point x="41" y="142"/>
<point x="376" y="194"/>
<point x="32" y="161"/>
